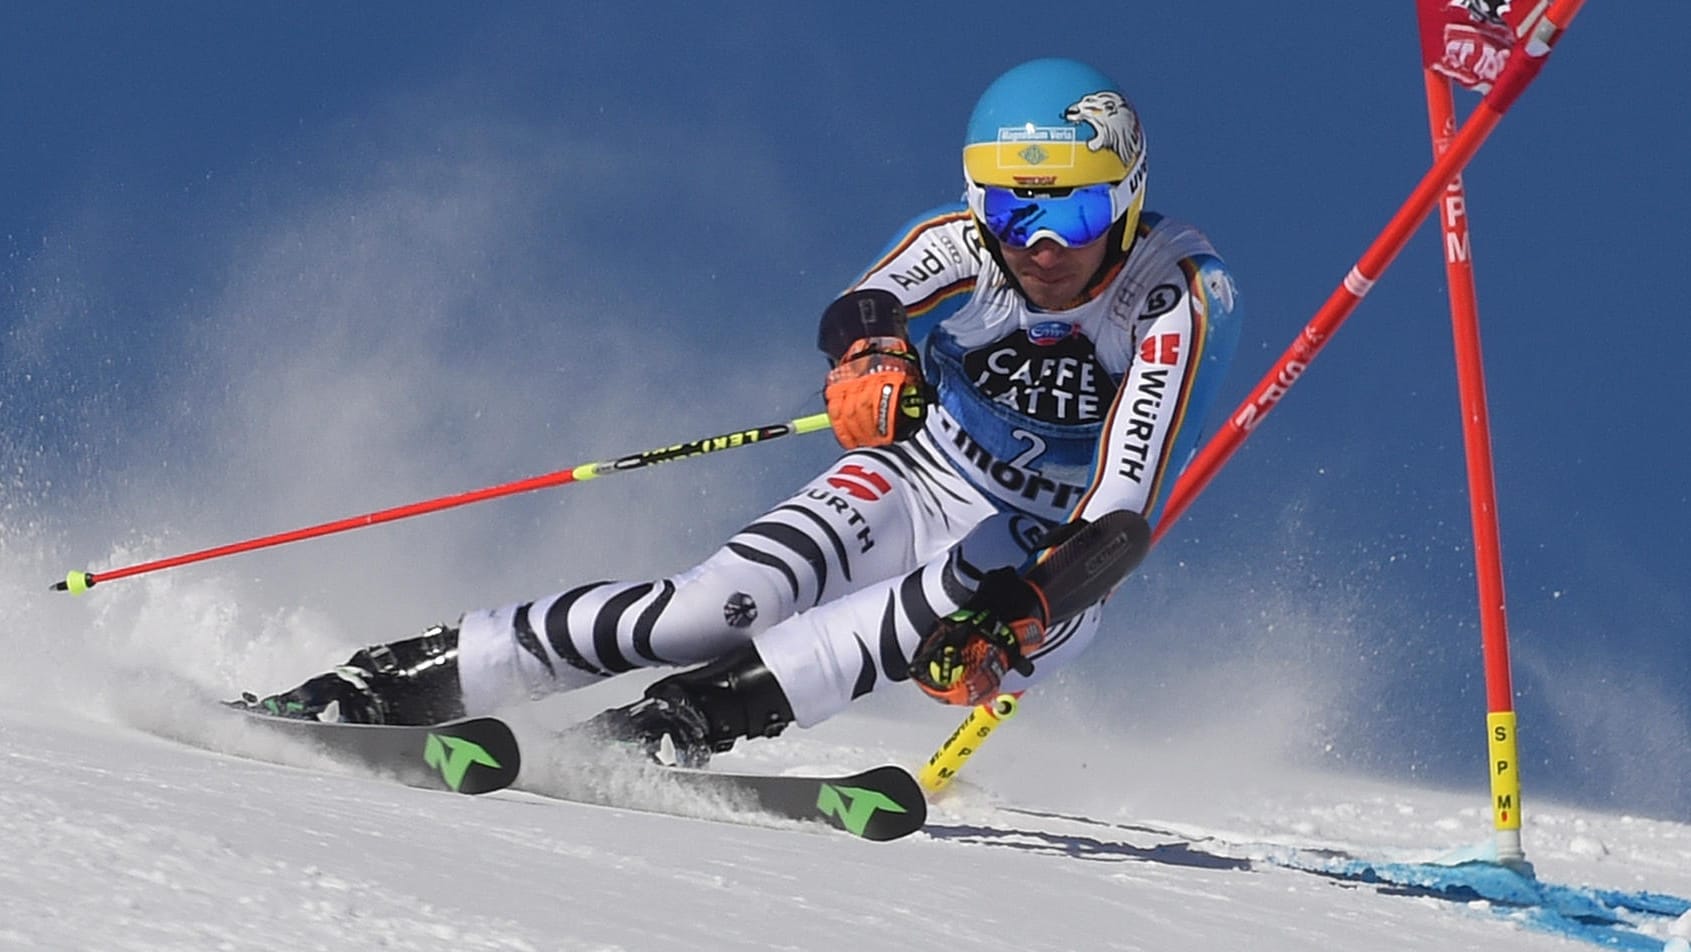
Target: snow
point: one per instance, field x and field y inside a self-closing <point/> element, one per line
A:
<point x="132" y="820"/>
<point x="117" y="838"/>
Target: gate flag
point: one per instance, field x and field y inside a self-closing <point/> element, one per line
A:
<point x="1470" y="40"/>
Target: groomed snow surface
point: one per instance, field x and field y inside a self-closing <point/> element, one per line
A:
<point x="116" y="838"/>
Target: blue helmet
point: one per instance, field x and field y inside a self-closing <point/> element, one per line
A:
<point x="1054" y="150"/>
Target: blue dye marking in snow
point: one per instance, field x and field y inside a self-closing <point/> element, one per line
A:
<point x="1605" y="917"/>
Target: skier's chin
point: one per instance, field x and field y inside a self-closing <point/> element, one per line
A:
<point x="1048" y="293"/>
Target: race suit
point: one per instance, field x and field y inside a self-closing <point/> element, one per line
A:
<point x="1041" y="417"/>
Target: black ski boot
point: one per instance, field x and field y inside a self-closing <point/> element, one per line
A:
<point x="700" y="712"/>
<point x="414" y="681"/>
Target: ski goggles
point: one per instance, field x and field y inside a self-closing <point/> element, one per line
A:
<point x="1073" y="217"/>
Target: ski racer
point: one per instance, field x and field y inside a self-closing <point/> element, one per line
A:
<point x="1017" y="380"/>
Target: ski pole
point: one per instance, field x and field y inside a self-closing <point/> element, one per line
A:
<point x="1520" y="71"/>
<point x="983" y="719"/>
<point x="77" y="582"/>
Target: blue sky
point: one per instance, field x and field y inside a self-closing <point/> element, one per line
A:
<point x="271" y="264"/>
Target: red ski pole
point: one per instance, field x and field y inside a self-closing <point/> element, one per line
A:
<point x="79" y="582"/>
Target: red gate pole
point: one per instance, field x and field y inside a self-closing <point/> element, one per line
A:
<point x="1482" y="492"/>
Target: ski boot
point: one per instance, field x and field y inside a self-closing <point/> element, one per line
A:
<point x="699" y="712"/>
<point x="414" y="681"/>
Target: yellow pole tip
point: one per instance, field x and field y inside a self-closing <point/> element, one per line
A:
<point x="78" y="582"/>
<point x="1004" y="705"/>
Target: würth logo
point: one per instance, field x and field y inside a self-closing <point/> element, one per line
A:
<point x="860" y="483"/>
<point x="1160" y="349"/>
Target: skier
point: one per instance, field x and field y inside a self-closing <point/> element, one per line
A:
<point x="1017" y="380"/>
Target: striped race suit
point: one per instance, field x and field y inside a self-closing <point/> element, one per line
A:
<point x="1040" y="417"/>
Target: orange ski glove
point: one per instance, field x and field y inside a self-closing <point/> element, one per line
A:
<point x="876" y="394"/>
<point x="964" y="659"/>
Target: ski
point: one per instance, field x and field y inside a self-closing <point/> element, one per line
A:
<point x="879" y="804"/>
<point x="470" y="755"/>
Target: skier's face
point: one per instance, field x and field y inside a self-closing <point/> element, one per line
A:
<point x="1051" y="275"/>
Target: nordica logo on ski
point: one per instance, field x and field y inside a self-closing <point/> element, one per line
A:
<point x="853" y="807"/>
<point x="453" y="757"/>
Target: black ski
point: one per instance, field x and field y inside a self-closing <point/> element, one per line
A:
<point x="880" y="804"/>
<point x="471" y="755"/>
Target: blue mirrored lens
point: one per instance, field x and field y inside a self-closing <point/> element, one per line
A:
<point x="1079" y="218"/>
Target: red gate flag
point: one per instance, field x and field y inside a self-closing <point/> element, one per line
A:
<point x="1470" y="40"/>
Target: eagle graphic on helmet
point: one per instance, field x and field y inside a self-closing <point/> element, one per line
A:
<point x="1114" y="125"/>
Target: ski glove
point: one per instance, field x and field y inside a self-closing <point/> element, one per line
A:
<point x="876" y="394"/>
<point x="964" y="659"/>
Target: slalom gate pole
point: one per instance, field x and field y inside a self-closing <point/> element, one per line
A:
<point x="1476" y="438"/>
<point x="78" y="582"/>
<point x="1523" y="67"/>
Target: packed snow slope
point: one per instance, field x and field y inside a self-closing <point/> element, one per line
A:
<point x="118" y="839"/>
<point x="1113" y="812"/>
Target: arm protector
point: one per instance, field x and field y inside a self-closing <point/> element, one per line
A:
<point x="1084" y="562"/>
<point x="860" y="314"/>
